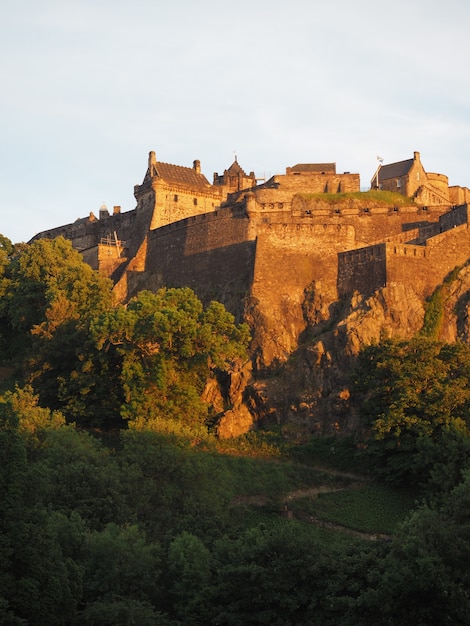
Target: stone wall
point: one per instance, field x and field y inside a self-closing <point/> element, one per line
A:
<point x="362" y="270"/>
<point x="289" y="258"/>
<point x="87" y="233"/>
<point x="319" y="183"/>
<point x="421" y="267"/>
<point x="213" y="254"/>
<point x="175" y="202"/>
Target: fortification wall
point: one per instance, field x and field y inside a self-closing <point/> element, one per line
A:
<point x="289" y="258"/>
<point x="410" y="265"/>
<point x="456" y="217"/>
<point x="85" y="233"/>
<point x="425" y="267"/>
<point x="362" y="270"/>
<point x="422" y="267"/>
<point x="459" y="195"/>
<point x="213" y="254"/>
<point x="319" y="183"/>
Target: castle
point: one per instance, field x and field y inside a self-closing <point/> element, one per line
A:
<point x="265" y="249"/>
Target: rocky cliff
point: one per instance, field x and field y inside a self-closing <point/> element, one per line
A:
<point x="310" y="392"/>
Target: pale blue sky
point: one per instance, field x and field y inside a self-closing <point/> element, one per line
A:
<point x="89" y="87"/>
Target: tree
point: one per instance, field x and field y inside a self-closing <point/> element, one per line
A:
<point x="32" y="420"/>
<point x="50" y="299"/>
<point x="38" y="584"/>
<point x="50" y="282"/>
<point x="411" y="392"/>
<point x="168" y="346"/>
<point x="424" y="579"/>
<point x="189" y="567"/>
<point x="121" y="564"/>
<point x="270" y="576"/>
<point x="172" y="488"/>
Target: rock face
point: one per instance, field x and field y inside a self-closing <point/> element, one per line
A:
<point x="312" y="391"/>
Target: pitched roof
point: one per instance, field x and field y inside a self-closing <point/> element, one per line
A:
<point x="235" y="168"/>
<point x="177" y="174"/>
<point x="395" y="170"/>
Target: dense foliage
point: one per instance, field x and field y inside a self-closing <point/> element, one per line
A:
<point x="146" y="363"/>
<point x="144" y="527"/>
<point x="147" y="533"/>
<point x="414" y="397"/>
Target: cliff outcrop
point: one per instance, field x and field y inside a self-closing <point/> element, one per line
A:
<point x="311" y="391"/>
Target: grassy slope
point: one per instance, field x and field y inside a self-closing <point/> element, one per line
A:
<point x="317" y="487"/>
<point x="373" y="197"/>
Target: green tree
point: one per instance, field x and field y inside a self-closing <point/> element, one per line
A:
<point x="121" y="564"/>
<point x="171" y="488"/>
<point x="168" y="346"/>
<point x="410" y="392"/>
<point x="51" y="297"/>
<point x="7" y="251"/>
<point x="50" y="283"/>
<point x="424" y="579"/>
<point x="81" y="475"/>
<point x="38" y="583"/>
<point x="32" y="420"/>
<point x="189" y="567"/>
<point x="270" y="576"/>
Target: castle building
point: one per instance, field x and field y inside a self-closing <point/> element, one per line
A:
<point x="411" y="179"/>
<point x="265" y="249"/>
<point x="235" y="179"/>
<point x="173" y="192"/>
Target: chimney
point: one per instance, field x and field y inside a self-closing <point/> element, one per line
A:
<point x="197" y="166"/>
<point x="152" y="159"/>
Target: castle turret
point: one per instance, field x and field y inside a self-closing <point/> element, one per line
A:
<point x="235" y="179"/>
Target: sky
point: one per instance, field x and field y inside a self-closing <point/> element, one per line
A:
<point x="89" y="87"/>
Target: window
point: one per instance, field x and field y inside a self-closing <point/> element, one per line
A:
<point x="195" y="201"/>
<point x="175" y="198"/>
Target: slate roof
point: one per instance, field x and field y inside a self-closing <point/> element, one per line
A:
<point x="314" y="168"/>
<point x="177" y="174"/>
<point x="395" y="170"/>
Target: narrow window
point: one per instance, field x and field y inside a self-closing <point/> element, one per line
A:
<point x="175" y="198"/>
<point x="195" y="201"/>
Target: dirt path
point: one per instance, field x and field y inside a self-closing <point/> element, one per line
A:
<point x="311" y="519"/>
<point x="313" y="492"/>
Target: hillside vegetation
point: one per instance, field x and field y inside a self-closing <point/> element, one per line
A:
<point x="121" y="506"/>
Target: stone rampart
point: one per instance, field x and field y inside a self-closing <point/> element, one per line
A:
<point x="88" y="232"/>
<point x="363" y="270"/>
<point x="318" y="183"/>
<point x="421" y="267"/>
<point x="459" y="195"/>
<point x="213" y="254"/>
